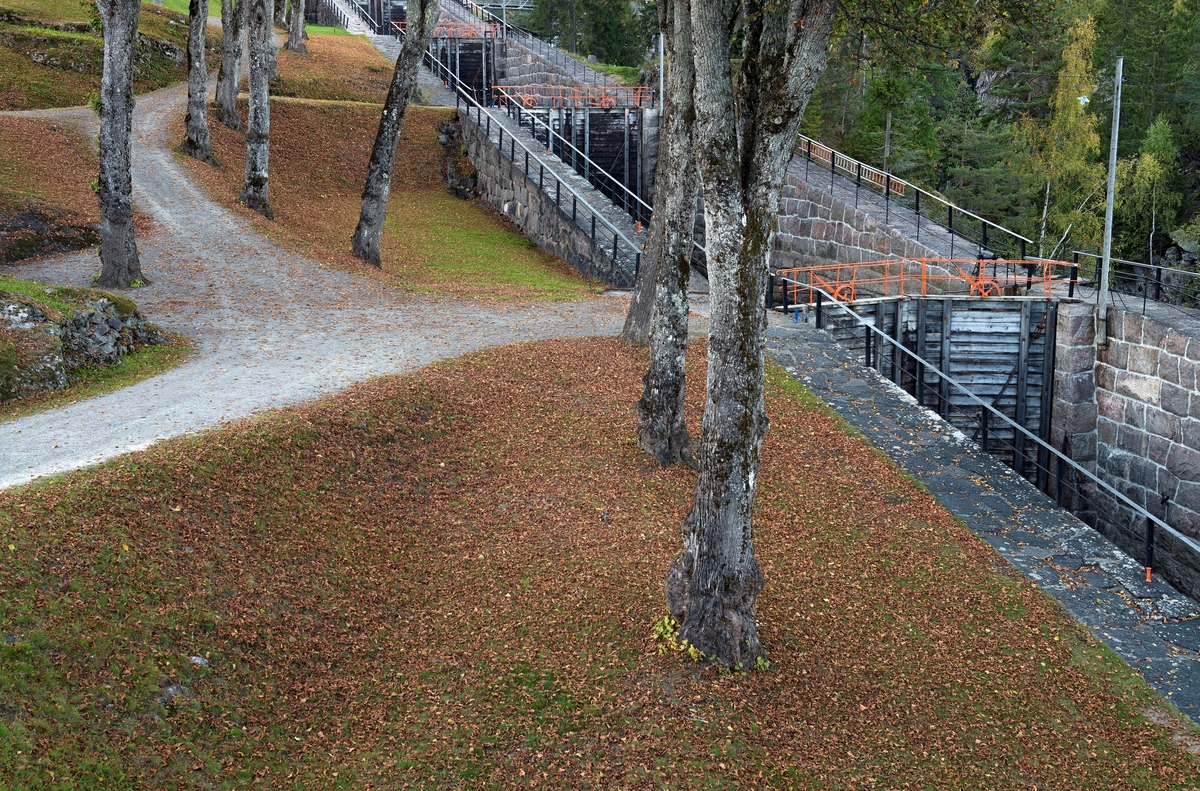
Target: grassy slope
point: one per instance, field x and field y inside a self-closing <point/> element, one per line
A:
<point x="432" y="242"/>
<point x="422" y="583"/>
<point x="49" y="164"/>
<point x="25" y="85"/>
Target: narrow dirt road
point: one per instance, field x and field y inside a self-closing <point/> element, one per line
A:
<point x="271" y="328"/>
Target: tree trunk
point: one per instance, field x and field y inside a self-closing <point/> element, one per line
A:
<point x="661" y="430"/>
<point x="422" y="17"/>
<point x="196" y="142"/>
<point x="637" y="320"/>
<point x="295" y="41"/>
<point x="743" y="146"/>
<point x="258" y="128"/>
<point x="119" y="263"/>
<point x="233" y="19"/>
<point x="273" y="13"/>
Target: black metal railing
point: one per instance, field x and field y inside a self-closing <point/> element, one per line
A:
<point x="625" y="257"/>
<point x="1134" y="286"/>
<point x="907" y="206"/>
<point x="597" y="175"/>
<point x="576" y="69"/>
<point x="1051" y="469"/>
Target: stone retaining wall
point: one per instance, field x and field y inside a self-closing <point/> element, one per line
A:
<point x="517" y="196"/>
<point x="1130" y="412"/>
<point x="48" y="349"/>
<point x="816" y="228"/>
<point x="522" y="66"/>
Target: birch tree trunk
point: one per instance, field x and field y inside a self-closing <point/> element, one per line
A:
<point x="119" y="263"/>
<point x="422" y="17"/>
<point x="258" y="127"/>
<point x="743" y="145"/>
<point x="661" y="430"/>
<point x="233" y="20"/>
<point x="295" y="41"/>
<point x="196" y="142"/>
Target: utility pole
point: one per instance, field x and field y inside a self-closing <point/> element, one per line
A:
<point x="887" y="142"/>
<point x="662" y="98"/>
<point x="1102" y="298"/>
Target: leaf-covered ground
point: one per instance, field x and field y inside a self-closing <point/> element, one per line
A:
<point x="335" y="67"/>
<point x="449" y="579"/>
<point x="433" y="242"/>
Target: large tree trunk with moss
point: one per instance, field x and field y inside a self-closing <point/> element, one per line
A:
<point x="119" y="263"/>
<point x="661" y="430"/>
<point x="233" y="20"/>
<point x="196" y="142"/>
<point x="744" y="142"/>
<point x="295" y="41"/>
<point x="258" y="126"/>
<point x="422" y="17"/>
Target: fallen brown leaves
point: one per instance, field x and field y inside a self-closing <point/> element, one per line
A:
<point x="448" y="580"/>
<point x="432" y="241"/>
<point x="45" y="162"/>
<point x="338" y="68"/>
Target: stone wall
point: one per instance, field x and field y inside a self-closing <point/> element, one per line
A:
<point x="506" y="187"/>
<point x="816" y="228"/>
<point x="40" y="351"/>
<point x="1130" y="412"/>
<point x="522" y="66"/>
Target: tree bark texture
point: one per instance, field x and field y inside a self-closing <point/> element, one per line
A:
<point x="196" y="142"/>
<point x="119" y="262"/>
<point x="295" y="41"/>
<point x="422" y="17"/>
<point x="641" y="305"/>
<point x="233" y="21"/>
<point x="661" y="430"/>
<point x="273" y="12"/>
<point x="258" y="126"/>
<point x="743" y="144"/>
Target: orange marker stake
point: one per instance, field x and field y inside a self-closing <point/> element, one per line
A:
<point x="1147" y="573"/>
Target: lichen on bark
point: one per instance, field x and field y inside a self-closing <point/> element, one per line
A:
<point x="196" y="141"/>
<point x="119" y="262"/>
<point x="258" y="126"/>
<point x="422" y="18"/>
<point x="233" y="21"/>
<point x="661" y="430"/>
<point x="744" y="139"/>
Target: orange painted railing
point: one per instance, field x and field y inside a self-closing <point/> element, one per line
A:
<point x="571" y="96"/>
<point x="459" y="29"/>
<point x="850" y="167"/>
<point x="921" y="277"/>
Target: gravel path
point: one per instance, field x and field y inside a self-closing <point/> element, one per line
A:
<point x="271" y="328"/>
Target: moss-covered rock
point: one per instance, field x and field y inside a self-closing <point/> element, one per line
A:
<point x="45" y="337"/>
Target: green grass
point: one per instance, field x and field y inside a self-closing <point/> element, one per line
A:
<point x="626" y="75"/>
<point x="91" y="382"/>
<point x="462" y="250"/>
<point x="28" y="85"/>
<point x="49" y="10"/>
<point x="326" y="30"/>
<point x="65" y="299"/>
